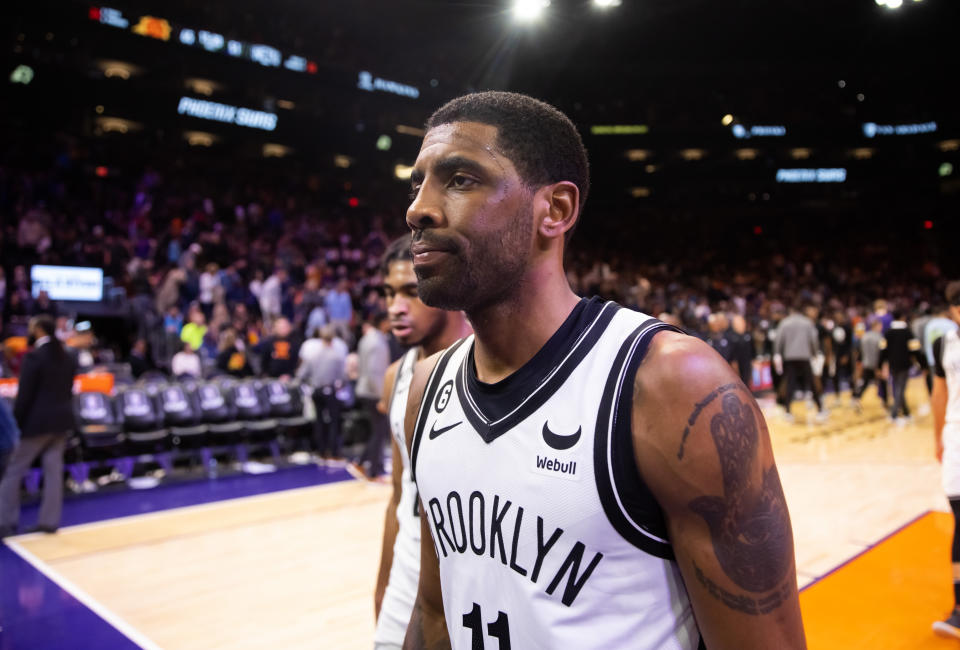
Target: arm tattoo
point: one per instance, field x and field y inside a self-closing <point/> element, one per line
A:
<point x="749" y="524"/>
<point x="702" y="404"/>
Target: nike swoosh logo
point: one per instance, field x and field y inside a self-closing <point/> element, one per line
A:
<point x="559" y="442"/>
<point x="434" y="431"/>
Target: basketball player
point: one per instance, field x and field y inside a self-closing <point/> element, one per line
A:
<point x="428" y="330"/>
<point x="589" y="477"/>
<point x="945" y="404"/>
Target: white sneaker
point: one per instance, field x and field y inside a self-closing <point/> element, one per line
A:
<point x="822" y="417"/>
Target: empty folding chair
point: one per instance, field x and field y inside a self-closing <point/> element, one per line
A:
<point x="143" y="424"/>
<point x="100" y="429"/>
<point x="182" y="415"/>
<point x="253" y="409"/>
<point x="219" y="415"/>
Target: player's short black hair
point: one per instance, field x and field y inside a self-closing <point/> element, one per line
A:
<point x="397" y="251"/>
<point x="542" y="142"/>
<point x="952" y="293"/>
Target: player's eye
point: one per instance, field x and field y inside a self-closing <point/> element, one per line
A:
<point x="460" y="181"/>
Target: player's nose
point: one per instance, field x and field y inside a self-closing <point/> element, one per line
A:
<point x="425" y="210"/>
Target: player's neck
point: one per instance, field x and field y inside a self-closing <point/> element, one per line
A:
<point x="509" y="333"/>
<point x="455" y="329"/>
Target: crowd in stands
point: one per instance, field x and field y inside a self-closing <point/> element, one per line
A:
<point x="232" y="277"/>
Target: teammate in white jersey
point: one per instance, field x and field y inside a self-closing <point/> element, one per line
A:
<point x="426" y="330"/>
<point x="587" y="479"/>
<point x="945" y="404"/>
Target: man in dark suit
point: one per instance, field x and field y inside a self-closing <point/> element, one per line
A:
<point x="44" y="413"/>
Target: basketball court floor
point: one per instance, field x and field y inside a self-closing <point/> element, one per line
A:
<point x="289" y="559"/>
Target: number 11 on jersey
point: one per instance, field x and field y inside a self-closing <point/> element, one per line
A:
<point x="499" y="629"/>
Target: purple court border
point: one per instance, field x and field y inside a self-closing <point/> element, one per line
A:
<point x="877" y="543"/>
<point x="36" y="612"/>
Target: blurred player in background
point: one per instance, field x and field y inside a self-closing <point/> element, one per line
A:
<point x="427" y="330"/>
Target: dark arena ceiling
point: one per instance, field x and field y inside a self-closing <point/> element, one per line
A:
<point x="746" y="111"/>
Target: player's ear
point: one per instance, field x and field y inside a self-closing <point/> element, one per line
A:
<point x="559" y="205"/>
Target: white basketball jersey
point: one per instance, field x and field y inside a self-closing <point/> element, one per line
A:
<point x="951" y="367"/>
<point x="401" y="590"/>
<point x="545" y="534"/>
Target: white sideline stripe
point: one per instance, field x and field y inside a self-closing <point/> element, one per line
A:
<point x="253" y="498"/>
<point x="113" y="619"/>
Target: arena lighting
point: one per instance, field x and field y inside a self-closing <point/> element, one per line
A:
<point x="800" y="153"/>
<point x="872" y="129"/>
<point x="746" y="154"/>
<point x="892" y="4"/>
<point x="285" y="104"/>
<point x="693" y="154"/>
<point x="949" y="145"/>
<point x="366" y="81"/>
<point x="727" y="120"/>
<point x="247" y="117"/>
<point x="116" y="125"/>
<point x="639" y="192"/>
<point x="606" y="4"/>
<point x="403" y="172"/>
<point x="529" y="10"/>
<point x="342" y="162"/>
<point x="202" y="86"/>
<point x="741" y="132"/>
<point x="862" y="153"/>
<point x="637" y="155"/>
<point x="199" y="138"/>
<point x="22" y="74"/>
<point x="158" y="28"/>
<point x="822" y="175"/>
<point x="164" y="30"/>
<point x="118" y="69"/>
<point x="945" y="169"/>
<point x="67" y="282"/>
<point x="619" y="129"/>
<point x="272" y="150"/>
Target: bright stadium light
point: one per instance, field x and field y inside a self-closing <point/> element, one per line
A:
<point x="606" y="4"/>
<point x="890" y="4"/>
<point x="727" y="120"/>
<point x="529" y="10"/>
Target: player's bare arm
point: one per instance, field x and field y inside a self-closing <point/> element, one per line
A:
<point x="428" y="628"/>
<point x="938" y="407"/>
<point x="390" y="525"/>
<point x="702" y="446"/>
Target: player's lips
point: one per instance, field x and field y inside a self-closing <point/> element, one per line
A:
<point x="401" y="329"/>
<point x="427" y="253"/>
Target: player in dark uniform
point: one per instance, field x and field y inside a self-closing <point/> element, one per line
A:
<point x="526" y="536"/>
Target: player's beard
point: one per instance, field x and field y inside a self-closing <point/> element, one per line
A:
<point x="482" y="273"/>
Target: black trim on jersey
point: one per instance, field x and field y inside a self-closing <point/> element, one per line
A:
<point x="640" y="509"/>
<point x="938" y="346"/>
<point x="530" y="387"/>
<point x="433" y="383"/>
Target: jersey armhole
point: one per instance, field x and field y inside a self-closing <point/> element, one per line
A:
<point x="628" y="503"/>
<point x="938" y="347"/>
<point x="433" y="383"/>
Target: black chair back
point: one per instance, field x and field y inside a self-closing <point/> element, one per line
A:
<point x="139" y="409"/>
<point x="180" y="407"/>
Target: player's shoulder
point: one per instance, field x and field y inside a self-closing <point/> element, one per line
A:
<point x="680" y="363"/>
